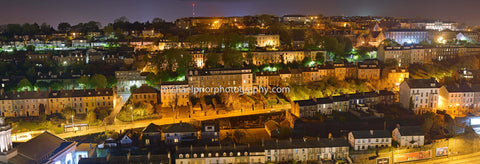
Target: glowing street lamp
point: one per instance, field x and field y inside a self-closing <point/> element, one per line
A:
<point x="131" y="109"/>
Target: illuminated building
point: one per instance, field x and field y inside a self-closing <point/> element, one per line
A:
<point x="366" y="139"/>
<point x="31" y="103"/>
<point x="407" y="36"/>
<point x="207" y="79"/>
<point x="368" y="70"/>
<point x="316" y="149"/>
<point x="266" y="79"/>
<point x="6" y="148"/>
<point x="46" y="148"/>
<point x="174" y="94"/>
<point x="311" y="107"/>
<point x="419" y="95"/>
<point x="396" y="76"/>
<point x="263" y="40"/>
<point x="467" y="36"/>
<point x="145" y="94"/>
<point x="374" y="38"/>
<point x="127" y="79"/>
<point x="179" y="133"/>
<point x="220" y="154"/>
<point x="198" y="58"/>
<point x="422" y="54"/>
<point x="439" y="26"/>
<point x="457" y="98"/>
<point x="311" y="74"/>
<point x="409" y="136"/>
<point x="80" y="100"/>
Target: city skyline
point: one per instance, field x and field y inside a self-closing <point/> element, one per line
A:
<point x="54" y="12"/>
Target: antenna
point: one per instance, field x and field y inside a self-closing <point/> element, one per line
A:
<point x="193" y="8"/>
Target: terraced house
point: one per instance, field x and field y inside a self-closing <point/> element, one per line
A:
<point x="32" y="103"/>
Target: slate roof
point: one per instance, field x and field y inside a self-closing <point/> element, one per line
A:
<point x="305" y="102"/>
<point x="459" y="88"/>
<point x="271" y="125"/>
<point x="326" y="100"/>
<point x="179" y="128"/>
<point x="151" y="128"/>
<point x="307" y="143"/>
<point x="56" y="94"/>
<point x="220" y="71"/>
<point x="145" y="89"/>
<point x="42" y="147"/>
<point x="411" y="131"/>
<point x="422" y="83"/>
<point x="368" y="134"/>
<point x="476" y="87"/>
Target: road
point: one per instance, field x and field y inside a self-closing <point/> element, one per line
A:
<point x="467" y="158"/>
<point x="168" y="120"/>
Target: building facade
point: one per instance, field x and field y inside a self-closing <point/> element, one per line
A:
<point x="419" y="95"/>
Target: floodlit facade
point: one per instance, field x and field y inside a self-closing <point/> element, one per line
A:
<point x="364" y="140"/>
<point x="419" y="95"/>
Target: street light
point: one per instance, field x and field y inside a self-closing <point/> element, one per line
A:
<point x="131" y="109"/>
<point x="73" y="124"/>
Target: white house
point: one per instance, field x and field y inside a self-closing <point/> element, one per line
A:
<point x="409" y="136"/>
<point x="362" y="140"/>
<point x="419" y="95"/>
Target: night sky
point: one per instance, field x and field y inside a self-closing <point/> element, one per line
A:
<point x="105" y="11"/>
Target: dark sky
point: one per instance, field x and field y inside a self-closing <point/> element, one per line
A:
<point x="105" y="11"/>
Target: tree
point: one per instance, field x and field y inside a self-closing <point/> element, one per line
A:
<point x="232" y="58"/>
<point x="84" y="81"/>
<point x="42" y="85"/>
<point x="91" y="116"/>
<point x="212" y="60"/>
<point x="99" y="81"/>
<point x="30" y="48"/>
<point x="24" y="84"/>
<point x="102" y="113"/>
<point x="68" y="112"/>
<point x="320" y="57"/>
<point x="64" y="26"/>
<point x="133" y="88"/>
<point x="389" y="42"/>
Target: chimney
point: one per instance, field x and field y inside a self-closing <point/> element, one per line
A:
<point x="26" y="90"/>
<point x="84" y="88"/>
<point x="371" y="132"/>
<point x="38" y="90"/>
<point x="61" y="89"/>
